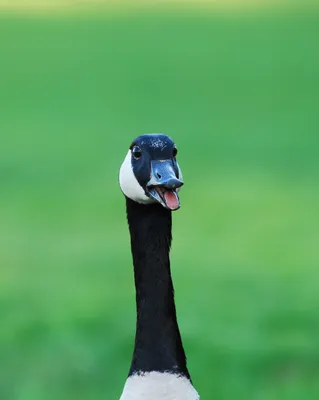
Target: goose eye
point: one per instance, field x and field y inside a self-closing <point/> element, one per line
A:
<point x="175" y="151"/>
<point x="137" y="152"/>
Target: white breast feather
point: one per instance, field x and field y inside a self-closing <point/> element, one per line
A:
<point x="158" y="386"/>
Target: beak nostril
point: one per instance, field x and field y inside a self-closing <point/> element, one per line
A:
<point x="159" y="175"/>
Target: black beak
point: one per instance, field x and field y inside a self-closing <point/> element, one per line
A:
<point x="164" y="184"/>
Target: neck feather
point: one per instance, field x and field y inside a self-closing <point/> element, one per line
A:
<point x="158" y="345"/>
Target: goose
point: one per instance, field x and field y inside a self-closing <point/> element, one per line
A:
<point x="150" y="179"/>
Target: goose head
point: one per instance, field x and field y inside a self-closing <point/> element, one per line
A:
<point x="150" y="172"/>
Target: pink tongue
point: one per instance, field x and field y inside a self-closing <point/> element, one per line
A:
<point x="171" y="200"/>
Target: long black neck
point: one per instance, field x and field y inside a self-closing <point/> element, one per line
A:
<point x="158" y="344"/>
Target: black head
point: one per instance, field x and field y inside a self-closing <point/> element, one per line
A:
<point x="150" y="172"/>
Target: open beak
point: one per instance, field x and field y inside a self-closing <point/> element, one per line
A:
<point x="163" y="185"/>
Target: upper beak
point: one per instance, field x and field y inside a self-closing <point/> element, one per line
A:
<point x="164" y="184"/>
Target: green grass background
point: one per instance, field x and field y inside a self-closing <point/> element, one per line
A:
<point x="239" y="94"/>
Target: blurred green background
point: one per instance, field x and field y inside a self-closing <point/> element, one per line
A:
<point x="238" y="91"/>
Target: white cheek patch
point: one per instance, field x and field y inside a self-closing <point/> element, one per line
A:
<point x="129" y="184"/>
<point x="158" y="386"/>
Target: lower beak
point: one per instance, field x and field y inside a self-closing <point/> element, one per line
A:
<point x="164" y="184"/>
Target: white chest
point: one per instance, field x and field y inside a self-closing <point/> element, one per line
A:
<point x="158" y="386"/>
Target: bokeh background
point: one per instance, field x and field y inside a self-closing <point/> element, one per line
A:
<point x="236" y="84"/>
